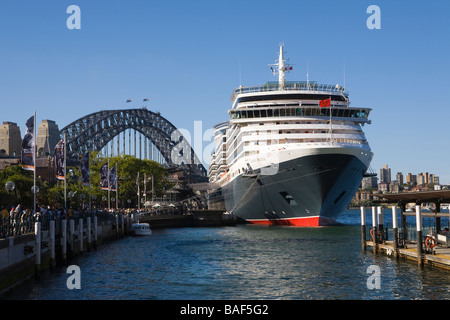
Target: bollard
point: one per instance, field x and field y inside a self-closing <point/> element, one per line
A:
<point x="88" y="222"/>
<point x="363" y="228"/>
<point x="80" y="234"/>
<point x="395" y="230"/>
<point x="117" y="225"/>
<point x="71" y="240"/>
<point x="64" y="240"/>
<point x="380" y="223"/>
<point x="374" y="229"/>
<point x="122" y="224"/>
<point x="95" y="232"/>
<point x="52" y="244"/>
<point x="37" y="251"/>
<point x="419" y="234"/>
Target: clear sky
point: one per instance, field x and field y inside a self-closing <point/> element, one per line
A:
<point x="188" y="56"/>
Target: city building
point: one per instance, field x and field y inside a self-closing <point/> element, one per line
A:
<point x="399" y="178"/>
<point x="385" y="174"/>
<point x="411" y="179"/>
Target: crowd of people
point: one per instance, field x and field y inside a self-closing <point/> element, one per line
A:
<point x="16" y="220"/>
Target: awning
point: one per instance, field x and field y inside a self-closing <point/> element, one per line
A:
<point x="441" y="196"/>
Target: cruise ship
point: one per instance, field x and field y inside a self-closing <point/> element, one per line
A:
<point x="292" y="152"/>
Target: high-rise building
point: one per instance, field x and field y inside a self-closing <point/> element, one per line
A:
<point x="385" y="174"/>
<point x="399" y="178"/>
<point x="420" y="179"/>
<point x="369" y="182"/>
<point x="411" y="179"/>
<point x="10" y="140"/>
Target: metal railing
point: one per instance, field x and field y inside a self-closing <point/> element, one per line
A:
<point x="24" y="223"/>
<point x="289" y="86"/>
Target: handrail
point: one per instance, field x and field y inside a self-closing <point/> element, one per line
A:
<point x="291" y="86"/>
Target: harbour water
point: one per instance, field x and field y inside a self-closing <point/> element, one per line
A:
<point x="241" y="262"/>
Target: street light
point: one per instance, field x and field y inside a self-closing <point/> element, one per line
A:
<point x="10" y="186"/>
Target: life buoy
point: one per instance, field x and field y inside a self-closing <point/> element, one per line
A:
<point x="430" y="242"/>
<point x="371" y="232"/>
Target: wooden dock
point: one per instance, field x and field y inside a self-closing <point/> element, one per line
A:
<point x="431" y="249"/>
<point x="438" y="257"/>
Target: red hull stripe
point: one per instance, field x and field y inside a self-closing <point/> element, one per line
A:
<point x="295" y="222"/>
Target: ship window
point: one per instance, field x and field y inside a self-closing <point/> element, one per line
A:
<point x="290" y="200"/>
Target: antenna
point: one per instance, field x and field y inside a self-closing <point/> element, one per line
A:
<point x="307" y="74"/>
<point x="344" y="73"/>
<point x="281" y="68"/>
<point x="240" y="74"/>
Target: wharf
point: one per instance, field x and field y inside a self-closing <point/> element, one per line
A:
<point x="195" y="218"/>
<point x="432" y="248"/>
<point x="438" y="256"/>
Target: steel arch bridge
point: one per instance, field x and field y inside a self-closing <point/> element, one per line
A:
<point x="94" y="131"/>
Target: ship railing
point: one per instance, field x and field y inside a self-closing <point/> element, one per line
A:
<point x="292" y="86"/>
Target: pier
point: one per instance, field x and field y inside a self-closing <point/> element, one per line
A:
<point x="426" y="247"/>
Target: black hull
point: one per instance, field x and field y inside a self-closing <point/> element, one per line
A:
<point x="308" y="191"/>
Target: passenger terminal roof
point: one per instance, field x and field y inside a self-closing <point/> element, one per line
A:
<point x="441" y="196"/>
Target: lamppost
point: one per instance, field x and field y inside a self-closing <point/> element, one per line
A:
<point x="71" y="194"/>
<point x="34" y="190"/>
<point x="10" y="186"/>
<point x="82" y="196"/>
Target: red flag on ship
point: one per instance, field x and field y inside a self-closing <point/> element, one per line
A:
<point x="325" y="103"/>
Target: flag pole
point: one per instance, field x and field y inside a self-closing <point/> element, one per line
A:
<point x="331" y="125"/>
<point x="34" y="160"/>
<point x="139" y="192"/>
<point x="117" y="189"/>
<point x="90" y="192"/>
<point x="65" y="174"/>
<point x="109" y="190"/>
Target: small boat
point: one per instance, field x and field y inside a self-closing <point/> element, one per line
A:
<point x="141" y="229"/>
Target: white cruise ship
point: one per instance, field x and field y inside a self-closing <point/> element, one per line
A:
<point x="291" y="153"/>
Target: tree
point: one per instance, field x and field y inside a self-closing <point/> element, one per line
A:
<point x="23" y="181"/>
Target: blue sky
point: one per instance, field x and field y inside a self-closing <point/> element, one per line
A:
<point x="188" y="56"/>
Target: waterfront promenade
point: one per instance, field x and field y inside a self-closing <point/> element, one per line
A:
<point x="32" y="244"/>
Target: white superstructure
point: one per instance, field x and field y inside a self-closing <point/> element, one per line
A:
<point x="278" y="122"/>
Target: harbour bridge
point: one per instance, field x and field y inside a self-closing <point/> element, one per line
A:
<point x="102" y="131"/>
